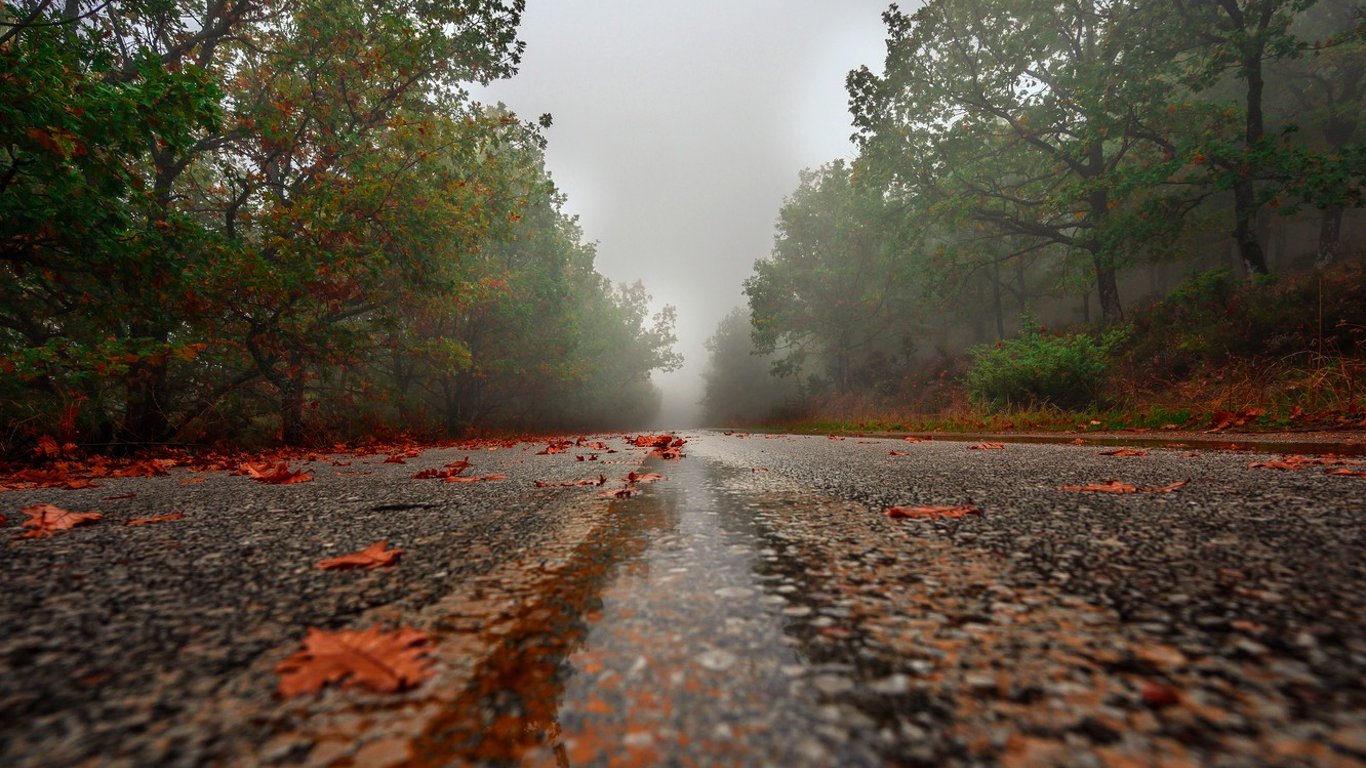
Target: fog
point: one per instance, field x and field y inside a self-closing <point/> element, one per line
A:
<point x="678" y="130"/>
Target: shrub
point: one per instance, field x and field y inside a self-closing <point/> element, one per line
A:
<point x="1036" y="369"/>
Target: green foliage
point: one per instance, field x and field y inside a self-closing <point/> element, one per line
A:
<point x="1036" y="369"/>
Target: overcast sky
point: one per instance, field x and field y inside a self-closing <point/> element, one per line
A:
<point x="680" y="127"/>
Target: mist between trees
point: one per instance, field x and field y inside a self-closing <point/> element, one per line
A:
<point x="1070" y="161"/>
<point x="283" y="220"/>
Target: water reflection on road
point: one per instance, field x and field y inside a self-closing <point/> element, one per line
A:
<point x="668" y="640"/>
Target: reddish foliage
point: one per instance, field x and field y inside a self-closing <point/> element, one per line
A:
<point x="987" y="447"/>
<point x="648" y="477"/>
<point x="932" y="512"/>
<point x="386" y="662"/>
<point x="373" y="556"/>
<point x="1125" y="452"/>
<point x="1115" y="486"/>
<point x="1344" y="472"/>
<point x="600" y="480"/>
<point x="47" y="519"/>
<point x="915" y="439"/>
<point x="484" y="479"/>
<point x="555" y="446"/>
<point x="1223" y="420"/>
<point x="158" y="519"/>
<point x="428" y="474"/>
<point x="278" y="474"/>
<point x="193" y="480"/>
<point x="655" y="441"/>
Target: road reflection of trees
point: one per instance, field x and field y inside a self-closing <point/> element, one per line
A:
<point x="513" y="703"/>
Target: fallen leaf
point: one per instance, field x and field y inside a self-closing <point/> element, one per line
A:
<point x="1280" y="464"/>
<point x="1109" y="486"/>
<point x="648" y="477"/>
<point x="932" y="512"/>
<point x="915" y="439"/>
<point x="1115" y="486"/>
<point x="1125" y="452"/>
<point x="166" y="518"/>
<point x="279" y="474"/>
<point x="193" y="480"/>
<point x="1343" y="471"/>
<point x="386" y="662"/>
<point x="78" y="483"/>
<point x="484" y="479"/>
<point x="1078" y="441"/>
<point x="372" y="556"/>
<point x="897" y="453"/>
<point x="987" y="447"/>
<point x="620" y="493"/>
<point x="599" y="480"/>
<point x="47" y="519"/>
<point x="461" y="464"/>
<point x="439" y="474"/>
<point x="3" y="519"/>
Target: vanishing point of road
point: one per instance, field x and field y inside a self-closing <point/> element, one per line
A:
<point x="754" y="607"/>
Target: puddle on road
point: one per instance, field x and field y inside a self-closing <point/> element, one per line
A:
<point x="663" y="641"/>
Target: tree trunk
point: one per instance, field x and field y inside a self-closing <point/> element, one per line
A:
<point x="145" y="418"/>
<point x="1244" y="229"/>
<point x="1330" y="236"/>
<point x="292" y="430"/>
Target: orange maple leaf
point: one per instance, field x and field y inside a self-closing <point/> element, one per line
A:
<point x="386" y="662"/>
<point x="987" y="447"/>
<point x="932" y="512"/>
<point x="278" y="474"/>
<point x="1125" y="452"/>
<point x="648" y="477"/>
<point x="1344" y="472"/>
<point x="158" y="519"/>
<point x="47" y="519"/>
<point x="372" y="556"/>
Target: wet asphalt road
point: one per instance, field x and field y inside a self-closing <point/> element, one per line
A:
<point x="753" y="608"/>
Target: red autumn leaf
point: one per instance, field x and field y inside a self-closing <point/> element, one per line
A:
<point x="166" y="518"/>
<point x="47" y="519"/>
<point x="620" y="493"/>
<point x="555" y="446"/>
<point x="79" y="483"/>
<point x="372" y="556"/>
<point x="599" y="480"/>
<point x="1280" y="464"/>
<point x="279" y="474"/>
<point x="1115" y="486"/>
<point x="428" y="474"/>
<point x="987" y="447"/>
<point x="1343" y="471"/>
<point x="150" y="468"/>
<point x="1078" y="441"/>
<point x="915" y="439"/>
<point x="658" y="441"/>
<point x="461" y="464"/>
<point x="1125" y="452"/>
<point x="667" y="453"/>
<point x="648" y="477"/>
<point x="3" y="519"/>
<point x="386" y="662"/>
<point x="193" y="480"/>
<point x="485" y="479"/>
<point x="897" y="453"/>
<point x="47" y="448"/>
<point x="932" y="512"/>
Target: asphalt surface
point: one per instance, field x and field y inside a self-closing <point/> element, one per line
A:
<point x="755" y="607"/>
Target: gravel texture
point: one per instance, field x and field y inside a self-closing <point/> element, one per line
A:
<point x="755" y="607"/>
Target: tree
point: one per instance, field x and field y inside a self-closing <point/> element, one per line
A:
<point x="740" y="385"/>
<point x="833" y="286"/>
<point x="1013" y="114"/>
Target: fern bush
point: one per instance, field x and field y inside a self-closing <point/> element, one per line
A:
<point x="1036" y="369"/>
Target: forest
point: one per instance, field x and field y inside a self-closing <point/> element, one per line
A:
<point x="1074" y="206"/>
<point x="263" y="221"/>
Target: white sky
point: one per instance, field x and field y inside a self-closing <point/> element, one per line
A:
<point x="679" y="129"/>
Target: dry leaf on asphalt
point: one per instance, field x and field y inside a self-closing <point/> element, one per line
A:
<point x="47" y="519"/>
<point x="932" y="512"/>
<point x="386" y="662"/>
<point x="1115" y="486"/>
<point x="372" y="556"/>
